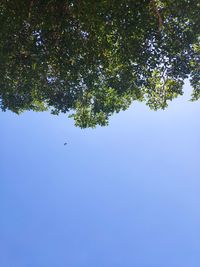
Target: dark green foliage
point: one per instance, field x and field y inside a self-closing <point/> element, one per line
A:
<point x="94" y="58"/>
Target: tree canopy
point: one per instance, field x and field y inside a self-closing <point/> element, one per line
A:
<point x="90" y="59"/>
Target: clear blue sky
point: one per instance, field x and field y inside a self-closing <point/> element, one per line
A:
<point x="126" y="195"/>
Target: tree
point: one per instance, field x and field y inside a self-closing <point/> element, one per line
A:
<point x="91" y="59"/>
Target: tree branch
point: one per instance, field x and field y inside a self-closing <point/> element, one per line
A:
<point x="160" y="20"/>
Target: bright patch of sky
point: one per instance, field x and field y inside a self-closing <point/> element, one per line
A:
<point x="126" y="195"/>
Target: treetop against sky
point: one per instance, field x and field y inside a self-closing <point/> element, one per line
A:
<point x="91" y="59"/>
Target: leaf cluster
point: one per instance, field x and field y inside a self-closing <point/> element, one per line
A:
<point x="91" y="59"/>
